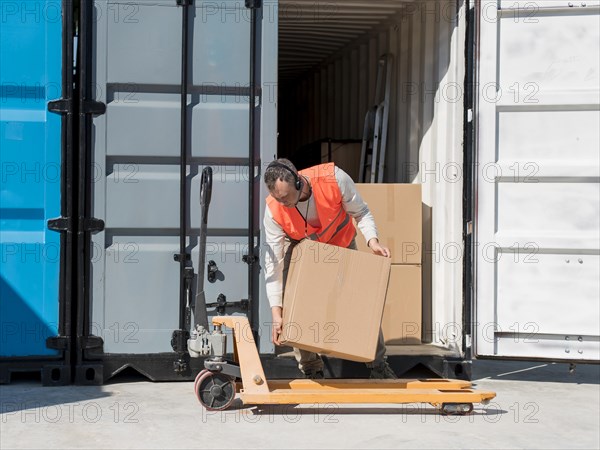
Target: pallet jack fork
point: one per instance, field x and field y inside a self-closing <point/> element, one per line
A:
<point x="216" y="387"/>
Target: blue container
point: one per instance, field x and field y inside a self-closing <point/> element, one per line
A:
<point x="30" y="156"/>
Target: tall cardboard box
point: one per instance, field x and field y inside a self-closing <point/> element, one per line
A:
<point x="402" y="315"/>
<point x="397" y="210"/>
<point x="333" y="300"/>
<point x="398" y="213"/>
<point x="345" y="155"/>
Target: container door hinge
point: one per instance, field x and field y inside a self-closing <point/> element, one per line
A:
<point x="93" y="107"/>
<point x="179" y="340"/>
<point x="61" y="106"/>
<point x="60" y="224"/>
<point x="90" y="342"/>
<point x="469" y="227"/>
<point x="249" y="259"/>
<point x="182" y="257"/>
<point x="253" y="4"/>
<point x="58" y="342"/>
<point x="185" y="2"/>
<point x="91" y="224"/>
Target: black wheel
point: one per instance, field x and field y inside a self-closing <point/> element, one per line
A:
<point x="216" y="391"/>
<point x="456" y="409"/>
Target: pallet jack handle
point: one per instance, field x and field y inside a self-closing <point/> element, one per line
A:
<point x="200" y="314"/>
<point x="205" y="192"/>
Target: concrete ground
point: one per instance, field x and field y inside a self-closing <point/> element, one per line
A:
<point x="537" y="406"/>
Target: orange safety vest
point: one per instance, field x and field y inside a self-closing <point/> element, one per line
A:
<point x="336" y="226"/>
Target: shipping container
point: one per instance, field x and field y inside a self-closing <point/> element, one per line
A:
<point x="36" y="232"/>
<point x="493" y="107"/>
<point x="497" y="117"/>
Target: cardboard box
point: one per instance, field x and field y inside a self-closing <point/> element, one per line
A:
<point x="402" y="316"/>
<point x="345" y="155"/>
<point x="397" y="209"/>
<point x="333" y="300"/>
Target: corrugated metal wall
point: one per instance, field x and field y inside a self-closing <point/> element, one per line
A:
<point x="427" y="40"/>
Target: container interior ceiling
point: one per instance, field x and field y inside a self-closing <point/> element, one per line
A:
<point x="328" y="55"/>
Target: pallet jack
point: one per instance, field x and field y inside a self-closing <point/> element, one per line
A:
<point x="216" y="385"/>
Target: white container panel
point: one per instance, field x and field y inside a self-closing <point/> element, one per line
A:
<point x="563" y="209"/>
<point x="548" y="347"/>
<point x="528" y="279"/>
<point x="535" y="55"/>
<point x="549" y="137"/>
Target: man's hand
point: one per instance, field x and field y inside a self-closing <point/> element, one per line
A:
<point x="378" y="249"/>
<point x="277" y="314"/>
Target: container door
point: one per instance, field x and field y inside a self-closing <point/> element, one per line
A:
<point x="134" y="303"/>
<point x="31" y="58"/>
<point x="538" y="197"/>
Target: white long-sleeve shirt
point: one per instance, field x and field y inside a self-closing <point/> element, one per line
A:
<point x="352" y="202"/>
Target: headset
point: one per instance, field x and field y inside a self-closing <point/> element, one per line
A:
<point x="297" y="183"/>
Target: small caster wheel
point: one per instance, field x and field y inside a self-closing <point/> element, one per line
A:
<point x="456" y="409"/>
<point x="215" y="391"/>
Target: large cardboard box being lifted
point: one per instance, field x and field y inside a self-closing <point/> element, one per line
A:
<point x="398" y="214"/>
<point x="333" y="301"/>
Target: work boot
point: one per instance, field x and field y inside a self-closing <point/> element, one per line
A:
<point x="317" y="375"/>
<point x="383" y="372"/>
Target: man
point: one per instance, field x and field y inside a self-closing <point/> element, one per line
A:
<point x="315" y="203"/>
